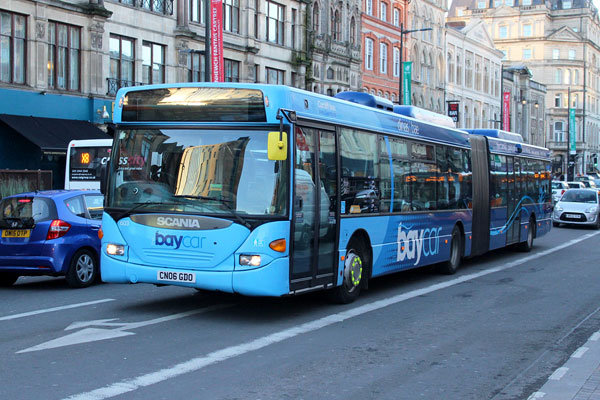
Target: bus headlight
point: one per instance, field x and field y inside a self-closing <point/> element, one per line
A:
<point x="115" y="249"/>
<point x="250" y="260"/>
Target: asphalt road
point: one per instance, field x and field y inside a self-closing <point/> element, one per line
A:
<point x="495" y="330"/>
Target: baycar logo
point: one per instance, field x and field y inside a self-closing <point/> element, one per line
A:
<point x="414" y="243"/>
<point x="177" y="241"/>
<point x="178" y="222"/>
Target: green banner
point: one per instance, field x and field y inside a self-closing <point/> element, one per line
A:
<point x="407" y="76"/>
<point x="572" y="132"/>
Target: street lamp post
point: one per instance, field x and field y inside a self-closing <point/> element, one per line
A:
<point x="402" y="33"/>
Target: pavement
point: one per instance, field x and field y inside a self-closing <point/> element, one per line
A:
<point x="578" y="378"/>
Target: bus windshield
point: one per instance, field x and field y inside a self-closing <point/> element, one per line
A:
<point x="223" y="172"/>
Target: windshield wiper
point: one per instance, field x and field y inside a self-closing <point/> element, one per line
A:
<point x="222" y="201"/>
<point x="139" y="205"/>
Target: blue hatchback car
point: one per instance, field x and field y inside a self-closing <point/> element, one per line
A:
<point x="51" y="233"/>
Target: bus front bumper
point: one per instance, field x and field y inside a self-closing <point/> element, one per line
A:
<point x="270" y="280"/>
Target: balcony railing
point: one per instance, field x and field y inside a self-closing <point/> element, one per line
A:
<point x="115" y="84"/>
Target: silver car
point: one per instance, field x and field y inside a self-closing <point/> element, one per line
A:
<point x="578" y="207"/>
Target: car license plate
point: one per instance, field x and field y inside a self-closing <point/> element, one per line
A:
<point x="171" y="276"/>
<point x="576" y="216"/>
<point x="16" y="233"/>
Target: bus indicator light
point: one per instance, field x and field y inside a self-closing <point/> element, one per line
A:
<point x="278" y="245"/>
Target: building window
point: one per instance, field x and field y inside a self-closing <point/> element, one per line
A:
<point x="197" y="11"/>
<point x="571" y="54"/>
<point x="274" y="76"/>
<point x="336" y="26"/>
<point x="369" y="5"/>
<point x="369" y="54"/>
<point x="566" y="5"/>
<point x="153" y="63"/>
<point x="555" y="54"/>
<point x="195" y="66"/>
<point x="527" y="30"/>
<point x="497" y="3"/>
<point x="275" y="18"/>
<point x="526" y="2"/>
<point x="558" y="100"/>
<point x="232" y="70"/>
<point x="316" y="17"/>
<point x="396" y="62"/>
<point x="504" y="54"/>
<point x="396" y="17"/>
<point x="352" y="31"/>
<point x="122" y="59"/>
<point x="64" y="56"/>
<point x="231" y="16"/>
<point x="509" y="3"/>
<point x="503" y="32"/>
<point x="481" y="4"/>
<point x="160" y="6"/>
<point x="383" y="58"/>
<point x="558" y="76"/>
<point x="558" y="131"/>
<point x="383" y="12"/>
<point x="294" y="26"/>
<point x="13" y="28"/>
<point x="256" y="19"/>
<point x="526" y="54"/>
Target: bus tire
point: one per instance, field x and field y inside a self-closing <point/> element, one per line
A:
<point x="8" y="279"/>
<point x="456" y="252"/>
<point x="83" y="269"/>
<point x="527" y="245"/>
<point x="353" y="275"/>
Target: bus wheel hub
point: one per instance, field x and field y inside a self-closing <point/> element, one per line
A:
<point x="352" y="269"/>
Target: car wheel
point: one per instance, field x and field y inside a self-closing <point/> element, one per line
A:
<point x="527" y="245"/>
<point x="597" y="226"/>
<point x="354" y="267"/>
<point x="83" y="269"/>
<point x="555" y="224"/>
<point x="7" y="280"/>
<point x="456" y="252"/>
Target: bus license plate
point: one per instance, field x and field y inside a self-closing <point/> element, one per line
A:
<point x="15" y="233"/>
<point x="576" y="216"/>
<point x="171" y="276"/>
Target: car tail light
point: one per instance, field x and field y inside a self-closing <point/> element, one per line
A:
<point x="563" y="192"/>
<point x="58" y="228"/>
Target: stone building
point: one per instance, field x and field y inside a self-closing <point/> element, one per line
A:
<point x="558" y="41"/>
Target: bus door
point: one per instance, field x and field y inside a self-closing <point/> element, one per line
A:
<point x="314" y="227"/>
<point x="514" y="221"/>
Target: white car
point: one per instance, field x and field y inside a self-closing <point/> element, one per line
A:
<point x="558" y="189"/>
<point x="578" y="207"/>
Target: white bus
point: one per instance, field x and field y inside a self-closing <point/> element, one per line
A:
<point x="84" y="160"/>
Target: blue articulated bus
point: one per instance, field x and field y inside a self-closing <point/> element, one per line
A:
<point x="269" y="190"/>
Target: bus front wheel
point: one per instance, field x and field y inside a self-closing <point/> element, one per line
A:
<point x="354" y="268"/>
<point x="456" y="251"/>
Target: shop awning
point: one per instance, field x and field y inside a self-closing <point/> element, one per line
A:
<point x="52" y="134"/>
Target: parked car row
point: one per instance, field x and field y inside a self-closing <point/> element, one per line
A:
<point x="51" y="233"/>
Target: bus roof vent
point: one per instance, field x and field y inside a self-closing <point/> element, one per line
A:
<point x="366" y="99"/>
<point x="497" y="133"/>
<point x="425" y="115"/>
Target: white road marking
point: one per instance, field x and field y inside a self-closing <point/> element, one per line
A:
<point x="595" y="337"/>
<point x="195" y="364"/>
<point x="580" y="352"/>
<point x="536" y="395"/>
<point x="559" y="373"/>
<point x="94" y="334"/>
<point x="60" y="308"/>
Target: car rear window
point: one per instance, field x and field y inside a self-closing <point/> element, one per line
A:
<point x="22" y="208"/>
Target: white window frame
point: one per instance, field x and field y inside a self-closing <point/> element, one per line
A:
<point x="369" y="54"/>
<point x="383" y="57"/>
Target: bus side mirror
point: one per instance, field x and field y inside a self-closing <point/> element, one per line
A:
<point x="103" y="176"/>
<point x="277" y="146"/>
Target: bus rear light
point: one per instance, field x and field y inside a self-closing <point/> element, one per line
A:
<point x="278" y="245"/>
<point x="58" y="228"/>
<point x="250" y="260"/>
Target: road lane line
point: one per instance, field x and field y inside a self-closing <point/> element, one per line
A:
<point x="60" y="308"/>
<point x="559" y="373"/>
<point x="195" y="364"/>
<point x="579" y="352"/>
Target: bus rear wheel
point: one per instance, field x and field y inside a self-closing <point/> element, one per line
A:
<point x="456" y="252"/>
<point x="527" y="245"/>
<point x="354" y="268"/>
